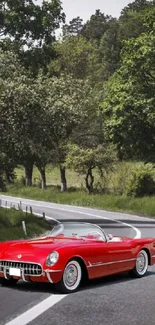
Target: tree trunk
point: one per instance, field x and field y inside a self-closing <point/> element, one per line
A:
<point x="43" y="177"/>
<point x="7" y="177"/>
<point x="2" y="185"/>
<point x="89" y="181"/>
<point x="63" y="179"/>
<point x="28" y="174"/>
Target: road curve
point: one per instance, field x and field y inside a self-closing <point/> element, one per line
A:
<point x="113" y="222"/>
<point x="117" y="300"/>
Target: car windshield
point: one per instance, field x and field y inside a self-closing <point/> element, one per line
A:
<point x="77" y="230"/>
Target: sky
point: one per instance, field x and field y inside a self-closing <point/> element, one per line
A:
<point x="85" y="8"/>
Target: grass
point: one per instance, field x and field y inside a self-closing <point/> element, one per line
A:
<point x="11" y="225"/>
<point x="141" y="206"/>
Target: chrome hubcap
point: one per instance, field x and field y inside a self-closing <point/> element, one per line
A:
<point x="140" y="263"/>
<point x="71" y="275"/>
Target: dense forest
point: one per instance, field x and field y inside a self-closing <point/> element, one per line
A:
<point x="85" y="100"/>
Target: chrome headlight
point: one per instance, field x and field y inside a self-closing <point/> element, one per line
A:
<point x="52" y="258"/>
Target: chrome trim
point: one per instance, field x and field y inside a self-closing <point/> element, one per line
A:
<point x="109" y="263"/>
<point x="29" y="266"/>
<point x="23" y="276"/>
<point x="49" y="277"/>
<point x="153" y="256"/>
<point x="5" y="274"/>
<point x="47" y="272"/>
<point x="52" y="271"/>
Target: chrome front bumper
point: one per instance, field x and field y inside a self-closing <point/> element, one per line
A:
<point x="27" y="270"/>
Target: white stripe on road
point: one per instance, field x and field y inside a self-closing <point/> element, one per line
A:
<point x="55" y="207"/>
<point x="36" y="311"/>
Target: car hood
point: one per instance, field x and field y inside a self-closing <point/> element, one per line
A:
<point x="33" y="250"/>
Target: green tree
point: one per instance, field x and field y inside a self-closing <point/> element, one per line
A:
<point x="65" y="103"/>
<point x="77" y="57"/>
<point x="85" y="160"/>
<point x="27" y="22"/>
<point x="39" y="116"/>
<point x="29" y="30"/>
<point x="73" y="28"/>
<point x="19" y="111"/>
<point x="136" y="6"/>
<point x="109" y="49"/>
<point x="96" y="26"/>
<point x="129" y="104"/>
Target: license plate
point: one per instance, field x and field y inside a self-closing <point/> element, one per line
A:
<point x="14" y="271"/>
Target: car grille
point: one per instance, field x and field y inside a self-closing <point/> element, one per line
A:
<point x="30" y="269"/>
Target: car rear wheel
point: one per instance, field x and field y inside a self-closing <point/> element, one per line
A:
<point x="71" y="277"/>
<point x="8" y="282"/>
<point x="141" y="266"/>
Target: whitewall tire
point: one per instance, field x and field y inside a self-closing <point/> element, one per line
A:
<point x="71" y="277"/>
<point x="141" y="266"/>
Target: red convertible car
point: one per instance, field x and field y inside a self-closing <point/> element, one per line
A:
<point x="71" y="251"/>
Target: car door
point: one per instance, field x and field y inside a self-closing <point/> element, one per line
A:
<point x="97" y="259"/>
<point x="120" y="256"/>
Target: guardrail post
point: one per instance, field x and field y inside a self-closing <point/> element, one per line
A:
<point x="24" y="227"/>
<point x="31" y="210"/>
<point x="44" y="216"/>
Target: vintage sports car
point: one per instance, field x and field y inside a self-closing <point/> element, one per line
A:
<point x="71" y="252"/>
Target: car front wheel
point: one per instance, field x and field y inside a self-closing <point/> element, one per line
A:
<point x="141" y="266"/>
<point x="8" y="282"/>
<point x="71" y="277"/>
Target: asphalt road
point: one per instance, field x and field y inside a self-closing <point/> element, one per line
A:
<point x="115" y="300"/>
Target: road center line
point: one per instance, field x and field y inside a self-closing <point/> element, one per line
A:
<point x="36" y="311"/>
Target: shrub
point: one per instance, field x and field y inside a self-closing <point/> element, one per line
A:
<point x="116" y="180"/>
<point x="140" y="183"/>
<point x="37" y="182"/>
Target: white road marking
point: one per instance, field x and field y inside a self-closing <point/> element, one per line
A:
<point x="36" y="311"/>
<point x="137" y="231"/>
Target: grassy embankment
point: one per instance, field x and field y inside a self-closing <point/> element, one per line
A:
<point x="11" y="225"/>
<point x="77" y="196"/>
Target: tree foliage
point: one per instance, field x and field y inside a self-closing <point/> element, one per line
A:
<point x="129" y="105"/>
<point x="85" y="160"/>
<point x="29" y="30"/>
<point x="74" y="27"/>
<point x="27" y="22"/>
<point x="94" y="28"/>
<point x="136" y="6"/>
<point x="77" y="57"/>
